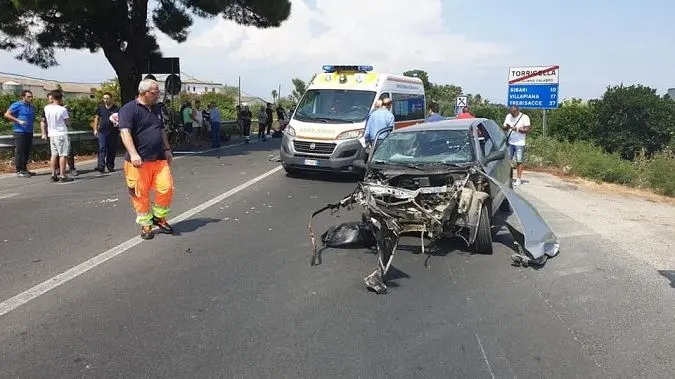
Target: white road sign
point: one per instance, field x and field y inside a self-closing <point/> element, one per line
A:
<point x="534" y="75"/>
<point x="461" y="101"/>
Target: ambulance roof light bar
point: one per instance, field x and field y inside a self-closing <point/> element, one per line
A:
<point x="330" y="68"/>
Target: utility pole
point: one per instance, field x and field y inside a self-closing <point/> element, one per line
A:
<point x="279" y="95"/>
<point x="543" y="122"/>
<point x="239" y="90"/>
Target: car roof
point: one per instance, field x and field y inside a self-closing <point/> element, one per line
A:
<point x="449" y="124"/>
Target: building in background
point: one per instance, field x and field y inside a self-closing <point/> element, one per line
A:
<point x="671" y="93"/>
<point x="14" y="84"/>
<point x="193" y="85"/>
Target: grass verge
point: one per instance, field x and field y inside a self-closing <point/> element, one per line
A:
<point x="588" y="161"/>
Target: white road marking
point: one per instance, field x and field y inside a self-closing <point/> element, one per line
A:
<point x="482" y="350"/>
<point x="48" y="285"/>
<point x="8" y="195"/>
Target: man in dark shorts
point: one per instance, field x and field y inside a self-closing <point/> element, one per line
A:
<point x="147" y="163"/>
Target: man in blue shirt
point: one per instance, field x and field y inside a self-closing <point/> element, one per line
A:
<point x="22" y="115"/>
<point x="434" y="113"/>
<point x="148" y="158"/>
<point x="379" y="119"/>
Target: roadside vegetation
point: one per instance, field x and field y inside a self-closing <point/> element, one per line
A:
<point x="627" y="136"/>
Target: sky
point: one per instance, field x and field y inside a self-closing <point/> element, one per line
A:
<point x="471" y="44"/>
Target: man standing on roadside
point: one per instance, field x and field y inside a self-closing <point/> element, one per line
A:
<point x="465" y="113"/>
<point x="57" y="119"/>
<point x="516" y="126"/>
<point x="108" y="134"/>
<point x="434" y="113"/>
<point x="379" y="119"/>
<point x="148" y="159"/>
<point x="215" y="125"/>
<point x="22" y="115"/>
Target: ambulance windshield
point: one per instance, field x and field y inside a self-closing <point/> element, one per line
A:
<point x="334" y="106"/>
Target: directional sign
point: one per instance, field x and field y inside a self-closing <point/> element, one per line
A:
<point x="534" y="87"/>
<point x="462" y="101"/>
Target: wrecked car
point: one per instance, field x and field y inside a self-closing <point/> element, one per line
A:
<point x="443" y="179"/>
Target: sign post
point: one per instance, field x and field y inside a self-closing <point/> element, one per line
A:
<point x="461" y="102"/>
<point x="534" y="87"/>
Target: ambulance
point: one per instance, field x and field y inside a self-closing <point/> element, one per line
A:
<point x="326" y="131"/>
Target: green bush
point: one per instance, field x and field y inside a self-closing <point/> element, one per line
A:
<point x="660" y="173"/>
<point x="584" y="159"/>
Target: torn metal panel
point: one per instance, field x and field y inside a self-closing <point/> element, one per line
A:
<point x="538" y="238"/>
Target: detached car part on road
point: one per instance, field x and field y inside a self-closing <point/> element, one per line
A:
<point x="443" y="179"/>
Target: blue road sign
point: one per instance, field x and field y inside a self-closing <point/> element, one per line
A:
<point x="533" y="96"/>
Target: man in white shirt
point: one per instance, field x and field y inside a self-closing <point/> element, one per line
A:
<point x="57" y="119"/>
<point x="516" y="127"/>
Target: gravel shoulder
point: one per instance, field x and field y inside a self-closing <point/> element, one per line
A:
<point x="639" y="221"/>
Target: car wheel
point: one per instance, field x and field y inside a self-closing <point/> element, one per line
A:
<point x="483" y="243"/>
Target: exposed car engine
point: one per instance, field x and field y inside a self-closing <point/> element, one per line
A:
<point x="436" y="205"/>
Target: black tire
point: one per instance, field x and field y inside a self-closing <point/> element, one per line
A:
<point x="483" y="243"/>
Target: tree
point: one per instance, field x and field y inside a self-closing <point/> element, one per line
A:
<point x="120" y="28"/>
<point x="274" y="95"/>
<point x="299" y="88"/>
<point x="632" y="118"/>
<point x="574" y="120"/>
<point x="112" y="86"/>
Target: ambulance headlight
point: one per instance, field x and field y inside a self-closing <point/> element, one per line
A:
<point x="351" y="134"/>
<point x="290" y="131"/>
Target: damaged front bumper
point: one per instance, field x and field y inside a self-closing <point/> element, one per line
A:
<point x="433" y="210"/>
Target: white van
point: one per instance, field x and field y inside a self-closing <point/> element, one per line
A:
<point x="326" y="131"/>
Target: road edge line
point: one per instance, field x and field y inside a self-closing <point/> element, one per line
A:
<point x="26" y="296"/>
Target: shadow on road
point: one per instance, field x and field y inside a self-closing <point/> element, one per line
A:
<point x="191" y="225"/>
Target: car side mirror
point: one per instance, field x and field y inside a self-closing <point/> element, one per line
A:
<point x="359" y="163"/>
<point x="495" y="156"/>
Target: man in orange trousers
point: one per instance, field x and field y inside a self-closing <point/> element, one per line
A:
<point x="148" y="159"/>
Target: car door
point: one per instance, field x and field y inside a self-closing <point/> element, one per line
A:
<point x="502" y="169"/>
<point x="488" y="146"/>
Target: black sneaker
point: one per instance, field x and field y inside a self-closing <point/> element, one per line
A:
<point x="65" y="179"/>
<point x="146" y="233"/>
<point x="163" y="225"/>
<point x="99" y="169"/>
<point x="54" y="178"/>
<point x="23" y="174"/>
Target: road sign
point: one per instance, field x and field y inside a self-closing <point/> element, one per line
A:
<point x="462" y="101"/>
<point x="534" y="87"/>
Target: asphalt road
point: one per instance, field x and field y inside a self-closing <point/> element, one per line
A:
<point x="233" y="295"/>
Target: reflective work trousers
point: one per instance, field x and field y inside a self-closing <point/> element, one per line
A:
<point x="154" y="175"/>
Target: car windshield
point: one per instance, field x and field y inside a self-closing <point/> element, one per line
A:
<point x="425" y="147"/>
<point x="334" y="105"/>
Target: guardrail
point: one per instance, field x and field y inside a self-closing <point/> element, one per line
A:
<point x="7" y="141"/>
